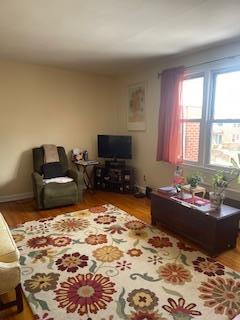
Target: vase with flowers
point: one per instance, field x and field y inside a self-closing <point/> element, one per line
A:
<point x="221" y="181"/>
<point x="178" y="179"/>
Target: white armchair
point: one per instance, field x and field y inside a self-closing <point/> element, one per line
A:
<point x="10" y="272"/>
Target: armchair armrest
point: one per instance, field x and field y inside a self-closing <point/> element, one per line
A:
<point x="38" y="185"/>
<point x="38" y="179"/>
<point x="77" y="176"/>
<point x="10" y="276"/>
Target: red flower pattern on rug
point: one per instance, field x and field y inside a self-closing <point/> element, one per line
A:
<point x="95" y="239"/>
<point x="116" y="228"/>
<point x="98" y="209"/>
<point x="184" y="246"/>
<point x="85" y="293"/>
<point x="175" y="273"/>
<point x="134" y="252"/>
<point x="208" y="266"/>
<point x="181" y="310"/>
<point x="70" y="225"/>
<point x="160" y="242"/>
<point x="146" y="315"/>
<point x="39" y="242"/>
<point x="123" y="265"/>
<point x="45" y="316"/>
<point x="72" y="262"/>
<point x="221" y="294"/>
<point x="135" y="225"/>
<point x="61" y="241"/>
<point x="105" y="219"/>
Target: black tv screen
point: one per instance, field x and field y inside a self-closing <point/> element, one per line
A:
<point x="115" y="146"/>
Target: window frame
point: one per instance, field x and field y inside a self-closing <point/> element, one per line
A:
<point x="209" y="86"/>
<point x="200" y="120"/>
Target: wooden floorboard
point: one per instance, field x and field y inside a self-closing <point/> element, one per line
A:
<point x="18" y="212"/>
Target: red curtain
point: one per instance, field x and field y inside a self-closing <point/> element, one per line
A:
<point x="170" y="142"/>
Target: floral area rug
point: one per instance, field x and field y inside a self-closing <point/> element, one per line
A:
<point x="104" y="264"/>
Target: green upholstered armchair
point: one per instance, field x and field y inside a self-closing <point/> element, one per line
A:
<point x="55" y="194"/>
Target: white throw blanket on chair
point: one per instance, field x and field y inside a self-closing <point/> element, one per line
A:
<point x="50" y="153"/>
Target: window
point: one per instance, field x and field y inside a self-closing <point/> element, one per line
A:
<point x="217" y="138"/>
<point x="235" y="137"/>
<point x="226" y="113"/>
<point x="192" y="100"/>
<point x="211" y="119"/>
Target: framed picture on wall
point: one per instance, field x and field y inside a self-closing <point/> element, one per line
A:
<point x="136" y="107"/>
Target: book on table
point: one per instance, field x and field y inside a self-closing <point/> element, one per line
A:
<point x="168" y="189"/>
<point x="195" y="202"/>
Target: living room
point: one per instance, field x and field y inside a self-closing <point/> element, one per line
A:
<point x="68" y="70"/>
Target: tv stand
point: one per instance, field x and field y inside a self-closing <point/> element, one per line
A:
<point x="115" y="176"/>
<point x="114" y="163"/>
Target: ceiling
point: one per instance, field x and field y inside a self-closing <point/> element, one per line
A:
<point x="110" y="36"/>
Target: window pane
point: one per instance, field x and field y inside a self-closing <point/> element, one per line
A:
<point x="225" y="143"/>
<point x="192" y="98"/>
<point x="227" y="96"/>
<point x="191" y="132"/>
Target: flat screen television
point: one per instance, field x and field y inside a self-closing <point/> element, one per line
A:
<point x="116" y="147"/>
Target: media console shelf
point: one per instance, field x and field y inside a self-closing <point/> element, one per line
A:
<point x="114" y="177"/>
<point x="214" y="231"/>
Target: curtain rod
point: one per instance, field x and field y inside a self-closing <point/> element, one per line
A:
<point x="206" y="62"/>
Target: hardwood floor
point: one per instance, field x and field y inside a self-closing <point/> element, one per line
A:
<point x="21" y="211"/>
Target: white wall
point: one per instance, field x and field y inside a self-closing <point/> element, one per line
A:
<point x="48" y="105"/>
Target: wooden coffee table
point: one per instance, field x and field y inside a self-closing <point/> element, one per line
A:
<point x="214" y="231"/>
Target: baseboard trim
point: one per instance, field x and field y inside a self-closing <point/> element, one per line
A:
<point x="17" y="196"/>
<point x="141" y="188"/>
